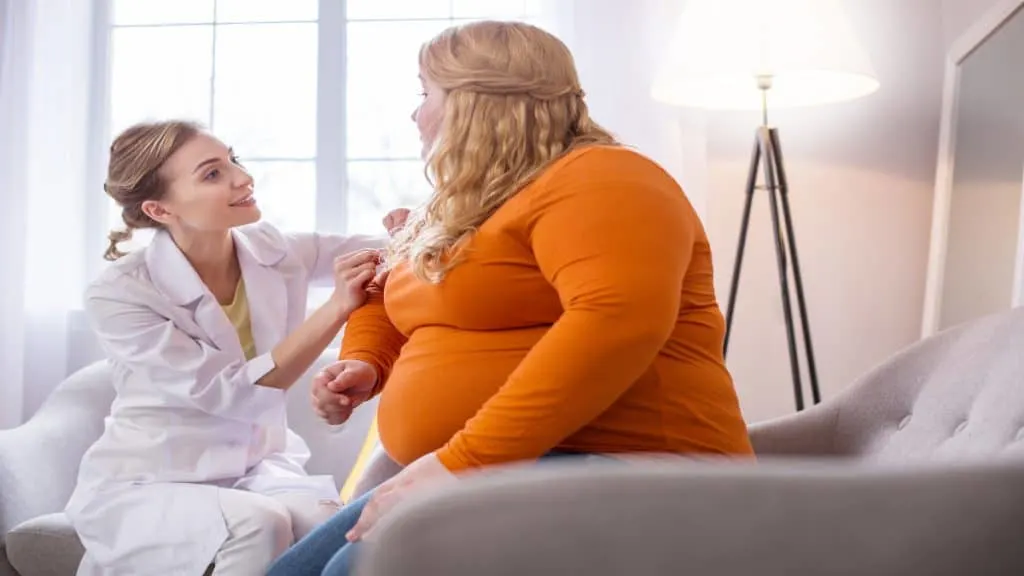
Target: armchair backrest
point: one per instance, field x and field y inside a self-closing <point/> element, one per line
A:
<point x="957" y="395"/>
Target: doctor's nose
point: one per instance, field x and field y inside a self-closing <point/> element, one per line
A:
<point x="243" y="179"/>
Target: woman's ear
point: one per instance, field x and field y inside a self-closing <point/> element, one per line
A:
<point x="156" y="211"/>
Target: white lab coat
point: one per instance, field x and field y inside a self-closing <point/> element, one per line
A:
<point x="188" y="418"/>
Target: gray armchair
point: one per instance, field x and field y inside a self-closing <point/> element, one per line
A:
<point x="39" y="465"/>
<point x="916" y="468"/>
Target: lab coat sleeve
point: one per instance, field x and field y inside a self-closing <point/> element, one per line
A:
<point x="183" y="368"/>
<point x="317" y="251"/>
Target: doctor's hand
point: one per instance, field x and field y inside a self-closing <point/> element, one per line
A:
<point x="353" y="273"/>
<point x="393" y="222"/>
<point x="339" y="388"/>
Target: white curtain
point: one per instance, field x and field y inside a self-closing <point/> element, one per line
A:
<point x="50" y="195"/>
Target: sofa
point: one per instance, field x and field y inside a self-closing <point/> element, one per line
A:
<point x="916" y="468"/>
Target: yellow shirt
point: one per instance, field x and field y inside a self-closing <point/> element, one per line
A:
<point x="238" y="314"/>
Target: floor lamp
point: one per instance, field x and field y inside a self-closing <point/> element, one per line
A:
<point x="756" y="55"/>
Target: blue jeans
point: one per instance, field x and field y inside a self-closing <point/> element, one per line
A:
<point x="326" y="552"/>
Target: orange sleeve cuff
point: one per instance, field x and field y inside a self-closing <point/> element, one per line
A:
<point x="453" y="458"/>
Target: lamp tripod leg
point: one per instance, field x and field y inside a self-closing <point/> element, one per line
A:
<point x="755" y="160"/>
<point x="771" y="184"/>
<point x="812" y="369"/>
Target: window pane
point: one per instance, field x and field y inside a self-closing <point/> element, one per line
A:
<point x="494" y="9"/>
<point x="162" y="12"/>
<point x="266" y="10"/>
<point x="285" y="193"/>
<point x="383" y="88"/>
<point x="265" y="89"/>
<point x="397" y="9"/>
<point x="375" y="188"/>
<point x="160" y="73"/>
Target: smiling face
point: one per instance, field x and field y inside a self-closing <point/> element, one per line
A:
<point x="429" y="114"/>
<point x="207" y="189"/>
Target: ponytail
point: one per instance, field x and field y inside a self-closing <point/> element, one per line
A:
<point x="116" y="237"/>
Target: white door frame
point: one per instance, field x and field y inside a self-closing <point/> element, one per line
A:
<point x="1017" y="298"/>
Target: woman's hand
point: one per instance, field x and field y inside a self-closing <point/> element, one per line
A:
<point x="352" y="274"/>
<point x="339" y="388"/>
<point x="426" y="471"/>
<point x="395" y="220"/>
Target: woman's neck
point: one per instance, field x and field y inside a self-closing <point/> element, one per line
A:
<point x="212" y="255"/>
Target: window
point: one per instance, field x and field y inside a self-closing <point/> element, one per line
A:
<point x="314" y="95"/>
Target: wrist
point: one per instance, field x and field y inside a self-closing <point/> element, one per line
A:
<point x="337" y="308"/>
<point x="367" y="363"/>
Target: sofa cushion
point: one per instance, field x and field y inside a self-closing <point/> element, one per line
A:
<point x="45" y="546"/>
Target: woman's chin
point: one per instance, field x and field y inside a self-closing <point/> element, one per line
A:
<point x="248" y="215"/>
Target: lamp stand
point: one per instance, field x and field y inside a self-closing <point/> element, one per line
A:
<point x="767" y="152"/>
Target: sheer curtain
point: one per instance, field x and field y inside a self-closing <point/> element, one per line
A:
<point x="49" y="192"/>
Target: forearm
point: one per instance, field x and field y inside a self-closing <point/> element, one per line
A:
<point x="297" y="352"/>
<point x="581" y="366"/>
<point x="317" y="251"/>
<point x="371" y="337"/>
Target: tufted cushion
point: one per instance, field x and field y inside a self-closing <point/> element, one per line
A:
<point x="958" y="395"/>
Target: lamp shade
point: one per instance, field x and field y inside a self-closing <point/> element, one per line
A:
<point x="721" y="48"/>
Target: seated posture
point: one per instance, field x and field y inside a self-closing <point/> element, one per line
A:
<point x="205" y="330"/>
<point x="554" y="296"/>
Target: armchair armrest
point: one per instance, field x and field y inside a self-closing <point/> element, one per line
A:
<point x="811" y="432"/>
<point x="39" y="459"/>
<point x="830" y="518"/>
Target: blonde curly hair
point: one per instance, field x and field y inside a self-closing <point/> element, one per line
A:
<point x="513" y="104"/>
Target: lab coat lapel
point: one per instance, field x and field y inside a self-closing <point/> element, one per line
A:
<point x="265" y="289"/>
<point x="175" y="277"/>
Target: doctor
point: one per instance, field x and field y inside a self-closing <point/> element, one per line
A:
<point x="206" y="329"/>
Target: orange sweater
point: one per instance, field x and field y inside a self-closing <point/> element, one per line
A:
<point x="583" y="317"/>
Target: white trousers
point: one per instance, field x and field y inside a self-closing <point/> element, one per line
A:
<point x="262" y="527"/>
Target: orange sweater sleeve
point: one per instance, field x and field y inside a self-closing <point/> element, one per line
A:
<point x="371" y="337"/>
<point x="616" y="248"/>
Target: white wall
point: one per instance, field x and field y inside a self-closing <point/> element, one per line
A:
<point x="861" y="177"/>
<point x="959" y="15"/>
<point x="616" y="45"/>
